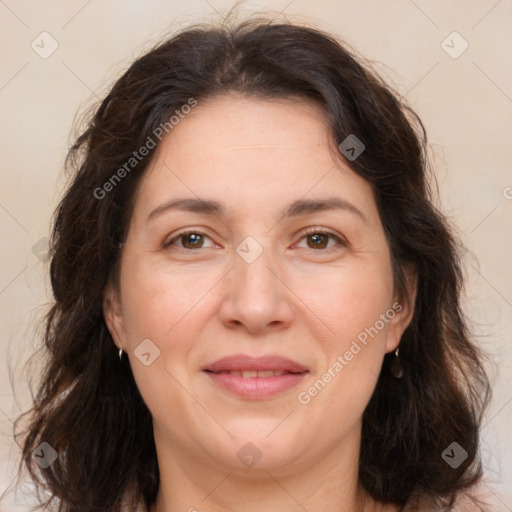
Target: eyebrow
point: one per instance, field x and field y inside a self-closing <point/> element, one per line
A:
<point x="294" y="209"/>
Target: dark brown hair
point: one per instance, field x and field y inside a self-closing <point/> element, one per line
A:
<point x="88" y="407"/>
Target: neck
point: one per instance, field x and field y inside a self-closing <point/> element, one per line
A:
<point x="327" y="483"/>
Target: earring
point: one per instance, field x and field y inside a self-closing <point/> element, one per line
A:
<point x="120" y="353"/>
<point x="396" y="367"/>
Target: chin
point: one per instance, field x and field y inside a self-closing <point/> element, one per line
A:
<point x="256" y="444"/>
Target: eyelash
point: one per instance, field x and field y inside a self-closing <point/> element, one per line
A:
<point x="310" y="231"/>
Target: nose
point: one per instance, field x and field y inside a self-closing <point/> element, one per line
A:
<point x="257" y="296"/>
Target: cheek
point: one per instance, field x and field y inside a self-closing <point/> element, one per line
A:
<point x="165" y="309"/>
<point x="350" y="299"/>
<point x="352" y="352"/>
<point x="351" y="304"/>
<point x="166" y="305"/>
<point x="157" y="302"/>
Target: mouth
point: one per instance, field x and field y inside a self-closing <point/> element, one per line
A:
<point x="251" y="374"/>
<point x="255" y="378"/>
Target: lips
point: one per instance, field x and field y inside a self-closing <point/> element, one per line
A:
<point x="255" y="377"/>
<point x="251" y="374"/>
<point x="243" y="363"/>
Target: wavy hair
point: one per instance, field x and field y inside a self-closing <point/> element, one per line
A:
<point x="88" y="407"/>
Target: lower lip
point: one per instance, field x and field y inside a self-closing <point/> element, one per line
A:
<point x="256" y="387"/>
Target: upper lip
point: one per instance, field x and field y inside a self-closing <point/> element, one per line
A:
<point x="241" y="362"/>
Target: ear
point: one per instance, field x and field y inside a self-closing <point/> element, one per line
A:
<point x="112" y="312"/>
<point x="404" y="311"/>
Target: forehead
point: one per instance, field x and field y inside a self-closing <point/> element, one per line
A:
<point x="253" y="154"/>
<point x="234" y="126"/>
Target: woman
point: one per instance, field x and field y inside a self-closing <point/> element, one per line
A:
<point x="257" y="306"/>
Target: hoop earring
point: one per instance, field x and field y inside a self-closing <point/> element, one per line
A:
<point x="120" y="353"/>
<point x="396" y="366"/>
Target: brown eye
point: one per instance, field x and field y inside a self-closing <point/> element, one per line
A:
<point x="188" y="240"/>
<point x="192" y="240"/>
<point x="319" y="240"/>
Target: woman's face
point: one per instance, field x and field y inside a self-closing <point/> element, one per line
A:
<point x="291" y="265"/>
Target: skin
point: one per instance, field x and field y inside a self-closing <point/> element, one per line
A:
<point x="296" y="300"/>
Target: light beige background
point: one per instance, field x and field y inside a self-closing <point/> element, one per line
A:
<point x="465" y="103"/>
